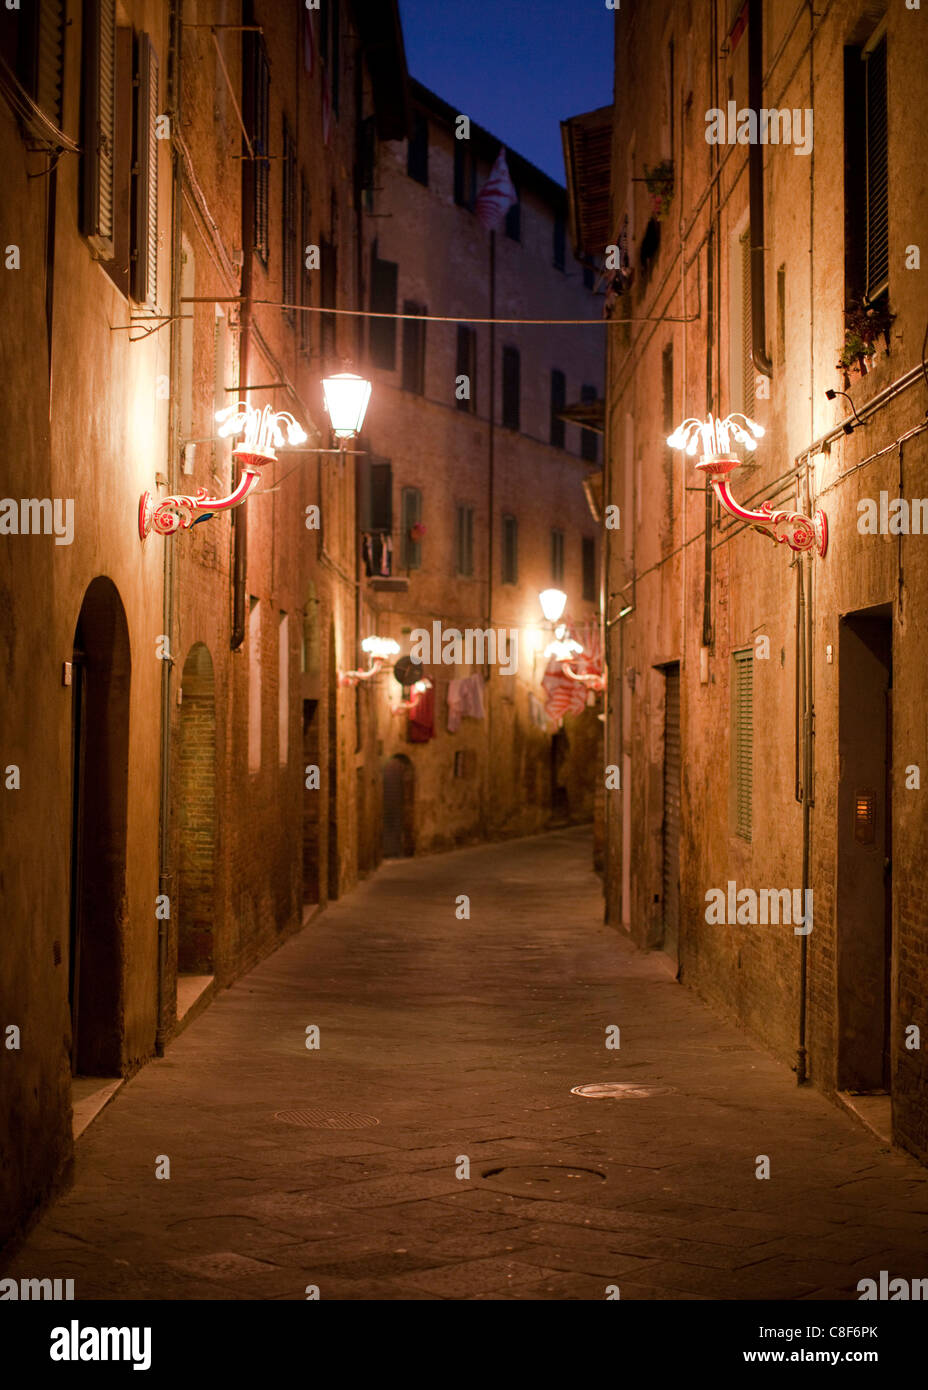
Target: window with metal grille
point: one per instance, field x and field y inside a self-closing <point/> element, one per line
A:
<point x="512" y="389"/>
<point x="258" y="128"/>
<point x="465" y="174"/>
<point x="589" y="568"/>
<point x="510" y="566"/>
<point x="417" y="150"/>
<point x="747" y="329"/>
<point x="384" y="276"/>
<point x="589" y="444"/>
<point x="742" y="742"/>
<point x="467" y="367"/>
<point x="557" y="555"/>
<point x="288" y="234"/>
<point x="560" y="242"/>
<point x="464" y="541"/>
<point x="414" y="348"/>
<point x="98" y="125"/>
<point x="558" y="401"/>
<point x="412" y="513"/>
<point x="877" y="253"/>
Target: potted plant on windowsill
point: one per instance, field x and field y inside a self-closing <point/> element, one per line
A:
<point x="659" y="183"/>
<point x="863" y="324"/>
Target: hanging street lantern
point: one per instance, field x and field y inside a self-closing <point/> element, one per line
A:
<point x="346" y="397"/>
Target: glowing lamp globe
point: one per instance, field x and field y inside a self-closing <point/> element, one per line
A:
<point x="379" y="648"/>
<point x="346" y="397"/>
<point x="553" y="602"/>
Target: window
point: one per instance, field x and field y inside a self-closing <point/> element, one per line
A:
<point x="510" y="566"/>
<point x="98" y="120"/>
<point x="588" y="442"/>
<point x="414" y="348"/>
<point x="464" y="542"/>
<point x="283" y="690"/>
<point x="511" y="388"/>
<point x="145" y="241"/>
<point x="557" y="556"/>
<point x="376" y="501"/>
<point x="742" y="742"/>
<point x="305" y="275"/>
<point x="467" y="367"/>
<point x="32" y="46"/>
<point x="465" y="175"/>
<point x="412" y="513"/>
<point x="866" y="184"/>
<point x="558" y="401"/>
<point x="560" y="242"/>
<point x="254" y="684"/>
<point x="514" y="221"/>
<point x="288" y="243"/>
<point x="589" y="569"/>
<point x="383" y="301"/>
<point x="328" y="264"/>
<point x="257" y="120"/>
<point x="417" y="150"/>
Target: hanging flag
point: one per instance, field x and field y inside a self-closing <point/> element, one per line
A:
<point x="309" y="46"/>
<point x="496" y="196"/>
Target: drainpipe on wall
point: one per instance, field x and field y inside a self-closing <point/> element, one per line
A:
<point x="762" y="362"/>
<point x="165" y="872"/>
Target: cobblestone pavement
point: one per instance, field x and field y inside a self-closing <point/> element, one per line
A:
<point x="443" y="1040"/>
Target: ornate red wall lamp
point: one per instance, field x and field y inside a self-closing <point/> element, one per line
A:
<point x="716" y="436"/>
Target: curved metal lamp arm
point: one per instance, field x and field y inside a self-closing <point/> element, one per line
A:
<point x="352" y="677"/>
<point x="799" y="532"/>
<point x="180" y="512"/>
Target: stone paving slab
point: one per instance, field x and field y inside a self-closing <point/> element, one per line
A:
<point x="464" y="1039"/>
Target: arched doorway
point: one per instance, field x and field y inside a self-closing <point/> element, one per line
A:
<point x="100" y="677"/>
<point x="195" y="810"/>
<point x="398" y="806"/>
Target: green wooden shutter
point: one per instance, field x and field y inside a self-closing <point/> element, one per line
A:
<point x="743" y="742"/>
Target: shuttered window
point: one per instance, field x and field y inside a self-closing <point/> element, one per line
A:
<point x="288" y="237"/>
<point x="414" y="348"/>
<point x="742" y="714"/>
<point x="558" y="401"/>
<point x="512" y="389"/>
<point x="384" y="275"/>
<point x="145" y="200"/>
<point x="877" y="252"/>
<point x="258" y="125"/>
<point x="747" y="329"/>
<point x="464" y="541"/>
<point x="412" y="512"/>
<point x="510" y="568"/>
<point x="467" y="367"/>
<point x="49" y="58"/>
<point x="557" y="556"/>
<point x="99" y="114"/>
<point x="329" y="265"/>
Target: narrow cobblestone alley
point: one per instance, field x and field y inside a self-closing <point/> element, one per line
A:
<point x="442" y="1039"/>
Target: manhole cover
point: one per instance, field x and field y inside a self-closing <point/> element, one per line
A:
<point x="326" y="1119"/>
<point x="544" y="1179"/>
<point x="620" y="1090"/>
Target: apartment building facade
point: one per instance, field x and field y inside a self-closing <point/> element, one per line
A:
<point x="182" y="199"/>
<point x="469" y="512"/>
<point x="764" y="701"/>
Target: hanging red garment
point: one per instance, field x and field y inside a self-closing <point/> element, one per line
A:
<point x="421" y="726"/>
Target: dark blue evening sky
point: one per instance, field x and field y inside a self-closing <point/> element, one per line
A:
<point x="517" y="67"/>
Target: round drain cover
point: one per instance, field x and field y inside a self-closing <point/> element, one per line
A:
<point x="326" y="1119"/>
<point x="620" y="1090"/>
